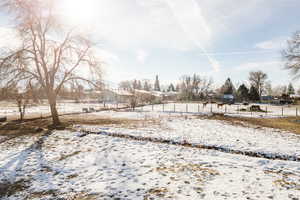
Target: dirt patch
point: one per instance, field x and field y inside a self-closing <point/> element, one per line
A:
<point x="33" y="126"/>
<point x="8" y="189"/>
<point x="288" y="123"/>
<point x="63" y="157"/>
<point x="155" y="193"/>
<point x="90" y="119"/>
<point x="18" y="129"/>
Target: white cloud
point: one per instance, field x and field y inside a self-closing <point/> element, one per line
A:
<point x="141" y="56"/>
<point x="106" y="56"/>
<point x="264" y="66"/>
<point x="176" y="24"/>
<point x="274" y="44"/>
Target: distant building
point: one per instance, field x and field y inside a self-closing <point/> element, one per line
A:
<point x="114" y="96"/>
<point x="228" y="98"/>
<point x="267" y="98"/>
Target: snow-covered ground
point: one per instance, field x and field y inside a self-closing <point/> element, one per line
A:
<point x="207" y="132"/>
<point x="68" y="107"/>
<point x="61" y="107"/>
<point x="272" y="110"/>
<point x="68" y="164"/>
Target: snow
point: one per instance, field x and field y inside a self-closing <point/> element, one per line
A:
<point x="68" y="164"/>
<point x="192" y="108"/>
<point x="208" y="132"/>
<point x="61" y="107"/>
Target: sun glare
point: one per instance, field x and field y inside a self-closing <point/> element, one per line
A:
<point x="79" y="11"/>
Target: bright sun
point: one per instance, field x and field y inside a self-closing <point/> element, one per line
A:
<point x="79" y="11"/>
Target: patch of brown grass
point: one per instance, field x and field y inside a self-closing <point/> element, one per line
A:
<point x="83" y="196"/>
<point x="8" y="189"/>
<point x="33" y="126"/>
<point x="287" y="123"/>
<point x="95" y="120"/>
<point x="287" y="180"/>
<point x="18" y="129"/>
<point x="63" y="157"/>
<point x="157" y="192"/>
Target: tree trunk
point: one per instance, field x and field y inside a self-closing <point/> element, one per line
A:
<point x="54" y="113"/>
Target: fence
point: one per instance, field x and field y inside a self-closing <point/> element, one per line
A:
<point x="192" y="108"/>
<point x="236" y="109"/>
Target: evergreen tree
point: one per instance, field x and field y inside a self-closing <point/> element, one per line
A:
<point x="290" y="89"/>
<point x="147" y="86"/>
<point x="139" y="85"/>
<point x="156" y="84"/>
<point x="228" y="87"/>
<point x="135" y="84"/>
<point x="253" y="94"/>
<point x="171" y="88"/>
<point x="243" y="93"/>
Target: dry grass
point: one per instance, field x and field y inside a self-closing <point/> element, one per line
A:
<point x="33" y="126"/>
<point x="90" y="119"/>
<point x="287" y="180"/>
<point x="8" y="189"/>
<point x="286" y="123"/>
<point x="157" y="193"/>
<point x="65" y="156"/>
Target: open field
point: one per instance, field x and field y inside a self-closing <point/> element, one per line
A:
<point x="271" y="110"/>
<point x="124" y="155"/>
<point x="11" y="111"/>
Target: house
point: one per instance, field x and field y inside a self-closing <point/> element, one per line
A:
<point x="170" y="96"/>
<point x="115" y="96"/>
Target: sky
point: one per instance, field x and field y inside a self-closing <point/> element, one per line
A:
<point x="139" y="39"/>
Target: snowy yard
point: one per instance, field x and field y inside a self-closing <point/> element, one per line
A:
<point x="72" y="165"/>
<point x="68" y="107"/>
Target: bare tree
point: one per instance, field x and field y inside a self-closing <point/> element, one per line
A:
<point x="292" y="55"/>
<point x="48" y="54"/>
<point x="205" y="86"/>
<point x="22" y="100"/>
<point x="258" y="80"/>
<point x="21" y="96"/>
<point x="279" y="90"/>
<point x="192" y="87"/>
<point x="268" y="88"/>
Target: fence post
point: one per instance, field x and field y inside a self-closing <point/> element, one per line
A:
<point x="163" y="107"/>
<point x="282" y="111"/>
<point x="152" y="107"/>
<point x="266" y="110"/>
<point x="186" y="108"/>
<point x="198" y="108"/>
<point x="238" y="109"/>
<point x="296" y="112"/>
<point x="211" y="107"/>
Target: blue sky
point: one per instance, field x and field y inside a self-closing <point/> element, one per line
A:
<point x="219" y="38"/>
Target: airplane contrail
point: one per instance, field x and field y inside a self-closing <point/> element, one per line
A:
<point x="189" y="17"/>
